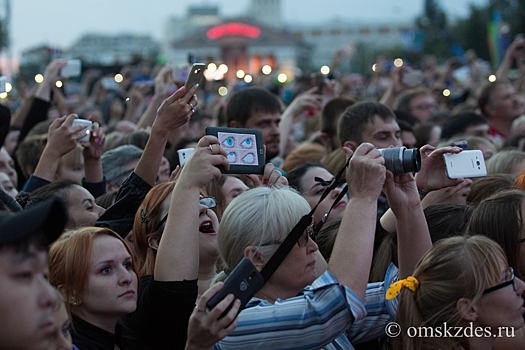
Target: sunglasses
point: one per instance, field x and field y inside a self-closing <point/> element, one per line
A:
<point x="208" y="202"/>
<point x="503" y="284"/>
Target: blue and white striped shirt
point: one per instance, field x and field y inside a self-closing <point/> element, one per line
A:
<point x="325" y="315"/>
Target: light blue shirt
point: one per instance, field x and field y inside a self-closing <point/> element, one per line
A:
<point x="325" y="315"/>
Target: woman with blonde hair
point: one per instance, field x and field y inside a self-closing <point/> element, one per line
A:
<point x="461" y="282"/>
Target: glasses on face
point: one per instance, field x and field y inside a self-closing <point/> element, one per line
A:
<point x="301" y="242"/>
<point x="207" y="202"/>
<point x="503" y="284"/>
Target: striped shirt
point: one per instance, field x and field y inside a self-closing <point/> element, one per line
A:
<point x="325" y="315"/>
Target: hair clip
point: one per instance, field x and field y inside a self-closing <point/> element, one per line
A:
<point x="144" y="216"/>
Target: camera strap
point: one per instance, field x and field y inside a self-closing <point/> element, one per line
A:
<point x="277" y="258"/>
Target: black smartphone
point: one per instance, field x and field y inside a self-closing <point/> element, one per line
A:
<point x="196" y="74"/>
<point x="243" y="282"/>
<point x="244" y="149"/>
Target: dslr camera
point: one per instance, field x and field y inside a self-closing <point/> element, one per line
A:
<point x="400" y="160"/>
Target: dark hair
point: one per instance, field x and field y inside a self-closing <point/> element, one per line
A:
<point x="422" y="134"/>
<point x="443" y="220"/>
<point x="499" y="217"/>
<point x="251" y="100"/>
<point x="459" y="123"/>
<point x="325" y="239"/>
<point x="352" y="122"/>
<point x="59" y="189"/>
<point x="136" y="138"/>
<point x="513" y="142"/>
<point x="107" y="199"/>
<point x="296" y="175"/>
<point x="330" y="115"/>
<point x="487" y="186"/>
<point x="447" y="220"/>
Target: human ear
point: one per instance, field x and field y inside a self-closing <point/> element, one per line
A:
<point x="153" y="242"/>
<point x="73" y="299"/>
<point x="467" y="310"/>
<point x="256" y="258"/>
<point x="351" y="144"/>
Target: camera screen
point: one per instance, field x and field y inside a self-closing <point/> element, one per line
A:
<point x="241" y="149"/>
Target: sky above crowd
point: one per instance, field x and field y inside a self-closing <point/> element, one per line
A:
<point x="62" y="22"/>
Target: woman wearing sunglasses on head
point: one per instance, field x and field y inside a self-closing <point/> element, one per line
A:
<point x="174" y="234"/>
<point x="464" y="292"/>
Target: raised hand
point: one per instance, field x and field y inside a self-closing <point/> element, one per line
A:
<point x="433" y="174"/>
<point x="366" y="172"/>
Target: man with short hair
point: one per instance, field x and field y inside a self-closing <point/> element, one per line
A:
<point x="500" y="103"/>
<point x="369" y="121"/>
<point x="257" y="108"/>
<point x="418" y="103"/>
<point x="467" y="124"/>
<point x="27" y="300"/>
<point x="118" y="163"/>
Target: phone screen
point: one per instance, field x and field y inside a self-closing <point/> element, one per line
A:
<point x="240" y="148"/>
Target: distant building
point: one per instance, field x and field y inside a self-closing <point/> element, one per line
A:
<point x="39" y="56"/>
<point x="243" y="44"/>
<point x="309" y="46"/>
<point x="98" y="49"/>
<point x="328" y="37"/>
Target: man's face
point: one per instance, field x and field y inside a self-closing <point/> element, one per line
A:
<point x="423" y="106"/>
<point x="268" y="123"/>
<point x="481" y="130"/>
<point x="382" y="134"/>
<point x="505" y="103"/>
<point x="27" y="299"/>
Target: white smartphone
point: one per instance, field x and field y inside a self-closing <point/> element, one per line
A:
<point x="468" y="163"/>
<point x="88" y="130"/>
<point x="184" y="155"/>
<point x="73" y="68"/>
<point x="109" y="83"/>
<point x="3" y="82"/>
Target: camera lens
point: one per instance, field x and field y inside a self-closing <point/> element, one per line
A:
<point x="400" y="160"/>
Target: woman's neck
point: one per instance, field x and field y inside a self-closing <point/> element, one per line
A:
<point x="206" y="275"/>
<point x="271" y="293"/>
<point x="481" y="343"/>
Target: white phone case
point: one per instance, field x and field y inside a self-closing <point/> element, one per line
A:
<point x="468" y="163"/>
<point x="73" y="68"/>
<point x="184" y="155"/>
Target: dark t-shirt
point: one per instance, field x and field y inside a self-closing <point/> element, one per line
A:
<point x="87" y="336"/>
<point x="163" y="312"/>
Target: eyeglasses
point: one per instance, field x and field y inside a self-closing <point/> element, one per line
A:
<point x="208" y="202"/>
<point x="503" y="284"/>
<point x="301" y="242"/>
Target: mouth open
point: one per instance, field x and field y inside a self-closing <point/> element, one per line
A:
<point x="207" y="227"/>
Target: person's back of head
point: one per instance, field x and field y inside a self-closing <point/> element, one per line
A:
<point x="506" y="162"/>
<point x="28" y="153"/>
<point x="487" y="186"/>
<point x="353" y="121"/>
<point x="114" y="163"/>
<point x="244" y="103"/>
<point x="460" y="124"/>
<point x="447" y="220"/>
<point x="452" y="275"/>
<point x="330" y="115"/>
<point x="499" y="218"/>
<point x="308" y="153"/>
<point x="296" y="175"/>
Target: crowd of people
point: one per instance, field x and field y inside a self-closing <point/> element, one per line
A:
<point x="107" y="242"/>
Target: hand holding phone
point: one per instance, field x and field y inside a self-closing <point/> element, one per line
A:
<point x="244" y="149"/>
<point x="243" y="282"/>
<point x="466" y="164"/>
